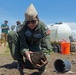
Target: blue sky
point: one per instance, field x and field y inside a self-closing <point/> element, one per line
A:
<point x="49" y="11"/>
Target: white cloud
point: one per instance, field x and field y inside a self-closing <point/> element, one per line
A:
<point x="72" y="25"/>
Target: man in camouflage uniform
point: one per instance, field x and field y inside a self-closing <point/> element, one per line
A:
<point x="34" y="36"/>
<point x="19" y="26"/>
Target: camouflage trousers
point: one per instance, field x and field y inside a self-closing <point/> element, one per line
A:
<point x="28" y="65"/>
<point x="13" y="43"/>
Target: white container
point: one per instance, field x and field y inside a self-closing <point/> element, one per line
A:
<point x="60" y="32"/>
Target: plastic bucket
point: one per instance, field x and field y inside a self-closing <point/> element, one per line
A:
<point x="62" y="66"/>
<point x="65" y="47"/>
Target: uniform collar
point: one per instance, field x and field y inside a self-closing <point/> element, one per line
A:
<point x="38" y="26"/>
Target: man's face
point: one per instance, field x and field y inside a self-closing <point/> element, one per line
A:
<point x="32" y="24"/>
<point x="18" y="23"/>
<point x="5" y="22"/>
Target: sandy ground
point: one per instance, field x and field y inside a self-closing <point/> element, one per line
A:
<point x="8" y="65"/>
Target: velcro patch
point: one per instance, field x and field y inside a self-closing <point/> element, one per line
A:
<point x="48" y="32"/>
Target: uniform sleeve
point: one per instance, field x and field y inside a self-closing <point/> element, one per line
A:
<point x="23" y="43"/>
<point x="45" y="42"/>
<point x="2" y="27"/>
<point x="7" y="27"/>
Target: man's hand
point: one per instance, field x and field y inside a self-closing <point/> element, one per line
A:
<point x="43" y="64"/>
<point x="27" y="54"/>
<point x="39" y="59"/>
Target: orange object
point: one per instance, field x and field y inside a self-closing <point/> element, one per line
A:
<point x="65" y="47"/>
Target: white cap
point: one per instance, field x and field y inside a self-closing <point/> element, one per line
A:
<point x="31" y="12"/>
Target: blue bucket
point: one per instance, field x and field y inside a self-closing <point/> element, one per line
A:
<point x="62" y="66"/>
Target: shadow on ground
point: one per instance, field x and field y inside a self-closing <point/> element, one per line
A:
<point x="13" y="65"/>
<point x="10" y="66"/>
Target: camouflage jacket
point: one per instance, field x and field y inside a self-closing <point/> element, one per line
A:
<point x="34" y="40"/>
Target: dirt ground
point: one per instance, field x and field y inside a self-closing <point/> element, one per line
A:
<point x="8" y="65"/>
